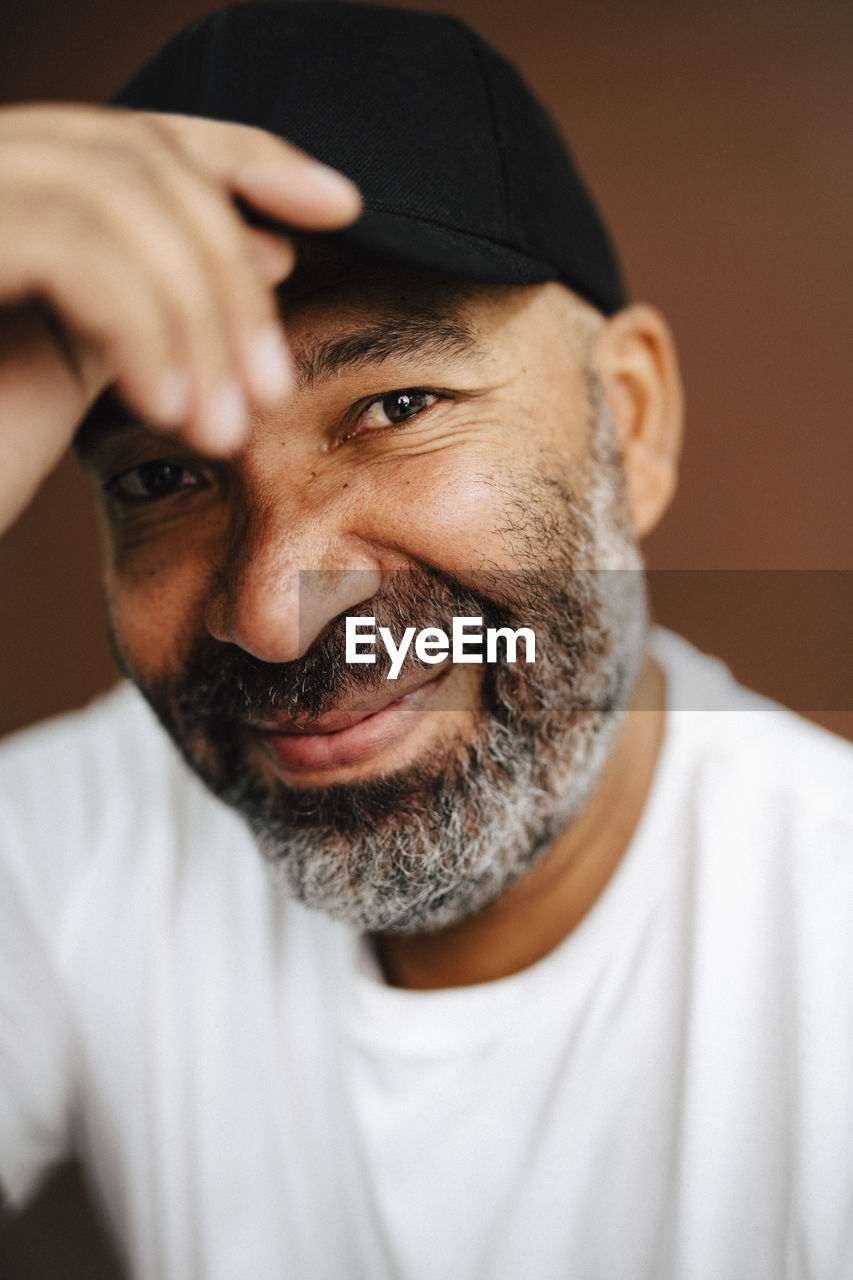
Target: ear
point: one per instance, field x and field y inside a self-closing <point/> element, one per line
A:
<point x="637" y="364"/>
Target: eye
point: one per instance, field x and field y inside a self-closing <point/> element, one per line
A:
<point x="392" y="409"/>
<point x="152" y="481"/>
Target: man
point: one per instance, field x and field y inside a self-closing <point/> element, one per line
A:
<point x="545" y="981"/>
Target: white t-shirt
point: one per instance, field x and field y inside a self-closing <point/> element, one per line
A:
<point x="666" y="1096"/>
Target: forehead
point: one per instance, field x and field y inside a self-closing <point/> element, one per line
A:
<point x="335" y="280"/>
<point x="345" y="310"/>
<point x="343" y="307"/>
<point x="332" y="280"/>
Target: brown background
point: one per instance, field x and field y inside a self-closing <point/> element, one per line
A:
<point x="718" y="140"/>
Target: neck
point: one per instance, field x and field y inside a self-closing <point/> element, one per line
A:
<point x="536" y="914"/>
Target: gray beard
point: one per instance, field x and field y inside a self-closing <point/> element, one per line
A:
<point x="434" y="844"/>
<point x="445" y="851"/>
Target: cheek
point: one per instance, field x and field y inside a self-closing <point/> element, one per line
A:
<point x="451" y="510"/>
<point x="156" y="607"/>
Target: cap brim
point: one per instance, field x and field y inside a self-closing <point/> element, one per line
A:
<point x="419" y="243"/>
<point x="436" y="248"/>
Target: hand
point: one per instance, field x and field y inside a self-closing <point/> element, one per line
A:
<point x="123" y="259"/>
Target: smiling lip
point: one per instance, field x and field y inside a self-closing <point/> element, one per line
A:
<point x="350" y="737"/>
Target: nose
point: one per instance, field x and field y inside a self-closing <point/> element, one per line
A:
<point x="281" y="583"/>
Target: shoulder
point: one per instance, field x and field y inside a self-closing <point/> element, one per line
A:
<point x="760" y="808"/>
<point x="96" y="794"/>
<point x="757" y="808"/>
<point x="78" y="740"/>
<point x="749" y="749"/>
<point x="75" y="768"/>
<point x="759" y="802"/>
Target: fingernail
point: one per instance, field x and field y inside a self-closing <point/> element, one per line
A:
<point x="269" y="364"/>
<point x="173" y="396"/>
<point x="327" y="181"/>
<point x="226" y="419"/>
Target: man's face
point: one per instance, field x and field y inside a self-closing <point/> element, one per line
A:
<point x="446" y="454"/>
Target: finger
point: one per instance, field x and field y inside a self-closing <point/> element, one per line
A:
<point x="129" y="280"/>
<point x="273" y="255"/>
<point x="211" y="322"/>
<point x="270" y="173"/>
<point x="143" y="226"/>
<point x="239" y="295"/>
<point x="191" y="317"/>
<point x="110" y="305"/>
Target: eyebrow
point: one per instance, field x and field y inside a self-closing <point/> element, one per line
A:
<point x="427" y="335"/>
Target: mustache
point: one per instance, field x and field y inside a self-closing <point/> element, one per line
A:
<point x="222" y="682"/>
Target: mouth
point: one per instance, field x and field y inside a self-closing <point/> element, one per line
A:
<point x="349" y="737"/>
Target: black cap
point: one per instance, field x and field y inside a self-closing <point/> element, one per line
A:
<point x="461" y="169"/>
